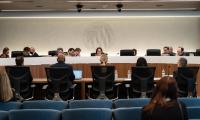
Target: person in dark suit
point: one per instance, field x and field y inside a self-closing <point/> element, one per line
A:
<point x="180" y="51"/>
<point x="65" y="84"/>
<point x="5" y="53"/>
<point x="171" y="53"/>
<point x="164" y="104"/>
<point x="33" y="53"/>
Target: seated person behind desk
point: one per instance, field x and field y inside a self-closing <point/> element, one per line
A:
<point x="164" y="104"/>
<point x="99" y="51"/>
<point x="6" y="93"/>
<point x="61" y="63"/>
<point x="180" y="51"/>
<point x="26" y="52"/>
<point x="5" y="53"/>
<point x="33" y="53"/>
<point x="77" y="52"/>
<point x="165" y="51"/>
<point x="19" y="60"/>
<point x="171" y="53"/>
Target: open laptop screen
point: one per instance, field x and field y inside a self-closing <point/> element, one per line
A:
<point x="78" y="73"/>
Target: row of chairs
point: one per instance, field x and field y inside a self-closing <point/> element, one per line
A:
<point x="83" y="114"/>
<point x="76" y="104"/>
<point x="141" y="85"/>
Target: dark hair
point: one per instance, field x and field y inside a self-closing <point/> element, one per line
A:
<point x="166" y="47"/>
<point x="141" y="61"/>
<point x="19" y="60"/>
<point x="70" y="49"/>
<point x="183" y="62"/>
<point x="26" y="49"/>
<point x="5" y="50"/>
<point x="182" y="49"/>
<point x="59" y="49"/>
<point x="100" y="49"/>
<point x="166" y="88"/>
<point x="77" y="49"/>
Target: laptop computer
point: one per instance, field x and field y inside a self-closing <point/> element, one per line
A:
<point x="78" y="74"/>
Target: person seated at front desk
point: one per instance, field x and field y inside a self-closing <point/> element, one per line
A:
<point x="99" y="51"/>
<point x="165" y="51"/>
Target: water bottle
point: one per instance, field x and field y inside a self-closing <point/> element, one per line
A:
<point x="116" y="75"/>
<point x="163" y="72"/>
<point x="129" y="74"/>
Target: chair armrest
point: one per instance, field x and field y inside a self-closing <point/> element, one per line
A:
<point x="33" y="85"/>
<point x="44" y="87"/>
<point x="127" y="85"/>
<point x="73" y="86"/>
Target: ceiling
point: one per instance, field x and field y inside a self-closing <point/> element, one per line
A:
<point x="98" y="5"/>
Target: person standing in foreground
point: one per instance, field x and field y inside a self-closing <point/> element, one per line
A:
<point x="164" y="104"/>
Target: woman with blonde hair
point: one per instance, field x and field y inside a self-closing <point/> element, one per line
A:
<point x="6" y="93"/>
<point x="164" y="104"/>
<point x="103" y="59"/>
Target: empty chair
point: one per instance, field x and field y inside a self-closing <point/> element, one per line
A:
<point x="142" y="81"/>
<point x="128" y="52"/>
<point x="90" y="104"/>
<point x="136" y="102"/>
<point x="87" y="114"/>
<point x="21" y="81"/>
<point x="52" y="53"/>
<point x="60" y="86"/>
<point x="34" y="114"/>
<point x="127" y="113"/>
<point x="93" y="54"/>
<point x="44" y="104"/>
<point x="186" y="80"/>
<point x="197" y="52"/>
<point x="6" y="106"/>
<point x="153" y="52"/>
<point x="4" y="115"/>
<point x="103" y="80"/>
<point x="16" y="53"/>
<point x="193" y="113"/>
<point x="190" y="102"/>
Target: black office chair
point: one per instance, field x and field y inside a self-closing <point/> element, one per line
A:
<point x="16" y="53"/>
<point x="128" y="52"/>
<point x="153" y="52"/>
<point x="197" y="52"/>
<point x="186" y="80"/>
<point x="142" y="81"/>
<point x="103" y="80"/>
<point x="93" y="54"/>
<point x="21" y="81"/>
<point x="52" y="53"/>
<point x="60" y="87"/>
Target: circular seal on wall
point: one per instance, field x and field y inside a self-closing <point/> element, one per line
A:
<point x="98" y="34"/>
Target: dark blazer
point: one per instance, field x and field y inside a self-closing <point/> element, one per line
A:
<point x="62" y="64"/>
<point x="166" y="113"/>
<point x="34" y="55"/>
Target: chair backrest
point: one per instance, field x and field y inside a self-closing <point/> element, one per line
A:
<point x="87" y="114"/>
<point x="186" y="79"/>
<point x="153" y="52"/>
<point x="16" y="53"/>
<point x="190" y="102"/>
<point x="20" y="79"/>
<point x="93" y="54"/>
<point x="4" y="115"/>
<point x="6" y="106"/>
<point x="52" y="53"/>
<point x="34" y="114"/>
<point x="193" y="113"/>
<point x="197" y="52"/>
<point x="127" y="113"/>
<point x="44" y="104"/>
<point x="90" y="104"/>
<point x="103" y="77"/>
<point x="127" y="103"/>
<point x="142" y="78"/>
<point x="128" y="52"/>
<point x="58" y="79"/>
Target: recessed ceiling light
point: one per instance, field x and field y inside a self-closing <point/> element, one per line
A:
<point x="6" y="1"/>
